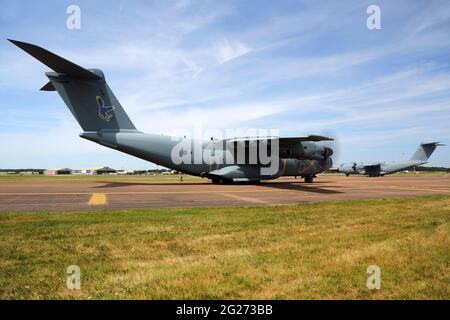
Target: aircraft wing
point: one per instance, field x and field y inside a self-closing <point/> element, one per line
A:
<point x="289" y="147"/>
<point x="282" y="141"/>
<point x="373" y="164"/>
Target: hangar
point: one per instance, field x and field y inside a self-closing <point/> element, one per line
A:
<point x="95" y="170"/>
<point x="58" y="171"/>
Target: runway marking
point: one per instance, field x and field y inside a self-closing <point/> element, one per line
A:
<point x="235" y="196"/>
<point x="98" y="199"/>
<point x="421" y="189"/>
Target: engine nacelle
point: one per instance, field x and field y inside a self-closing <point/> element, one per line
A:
<point x="306" y="151"/>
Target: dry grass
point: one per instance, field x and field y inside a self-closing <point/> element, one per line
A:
<point x="287" y="252"/>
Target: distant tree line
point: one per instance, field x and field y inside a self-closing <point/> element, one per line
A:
<point x="421" y="168"/>
<point x="40" y="171"/>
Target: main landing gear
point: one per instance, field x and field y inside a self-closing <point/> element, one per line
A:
<point x="217" y="180"/>
<point x="309" y="179"/>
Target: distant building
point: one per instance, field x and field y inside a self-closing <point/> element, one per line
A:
<point x="125" y="172"/>
<point x="58" y="171"/>
<point x="96" y="170"/>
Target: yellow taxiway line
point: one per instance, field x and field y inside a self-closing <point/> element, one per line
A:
<point x="98" y="199"/>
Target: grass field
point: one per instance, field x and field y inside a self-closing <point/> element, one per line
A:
<point x="308" y="251"/>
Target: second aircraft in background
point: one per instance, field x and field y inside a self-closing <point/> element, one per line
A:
<point x="378" y="169"/>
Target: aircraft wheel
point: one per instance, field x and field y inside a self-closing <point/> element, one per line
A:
<point x="347" y="174"/>
<point x="216" y="180"/>
<point x="309" y="179"/>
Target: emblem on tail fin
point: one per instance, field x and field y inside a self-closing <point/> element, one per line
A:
<point x="104" y="112"/>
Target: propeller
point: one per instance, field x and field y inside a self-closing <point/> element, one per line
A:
<point x="327" y="152"/>
<point x="331" y="147"/>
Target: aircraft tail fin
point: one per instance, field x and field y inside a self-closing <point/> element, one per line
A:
<point x="85" y="92"/>
<point x="425" y="150"/>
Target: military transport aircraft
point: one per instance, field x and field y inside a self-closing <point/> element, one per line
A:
<point x="379" y="169"/>
<point x="105" y="122"/>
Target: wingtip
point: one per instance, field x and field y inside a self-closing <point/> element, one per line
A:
<point x="13" y="41"/>
<point x="20" y="44"/>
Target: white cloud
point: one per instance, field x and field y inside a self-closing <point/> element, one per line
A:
<point x="227" y="50"/>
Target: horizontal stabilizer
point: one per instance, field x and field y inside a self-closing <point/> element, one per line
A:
<point x="55" y="62"/>
<point x="437" y="144"/>
<point x="48" y="87"/>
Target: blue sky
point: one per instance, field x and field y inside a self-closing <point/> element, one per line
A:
<point x="301" y="67"/>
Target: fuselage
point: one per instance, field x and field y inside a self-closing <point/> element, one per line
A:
<point x="400" y="166"/>
<point x="212" y="161"/>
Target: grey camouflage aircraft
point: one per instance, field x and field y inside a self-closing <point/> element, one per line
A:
<point x="104" y="121"/>
<point x="379" y="169"/>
